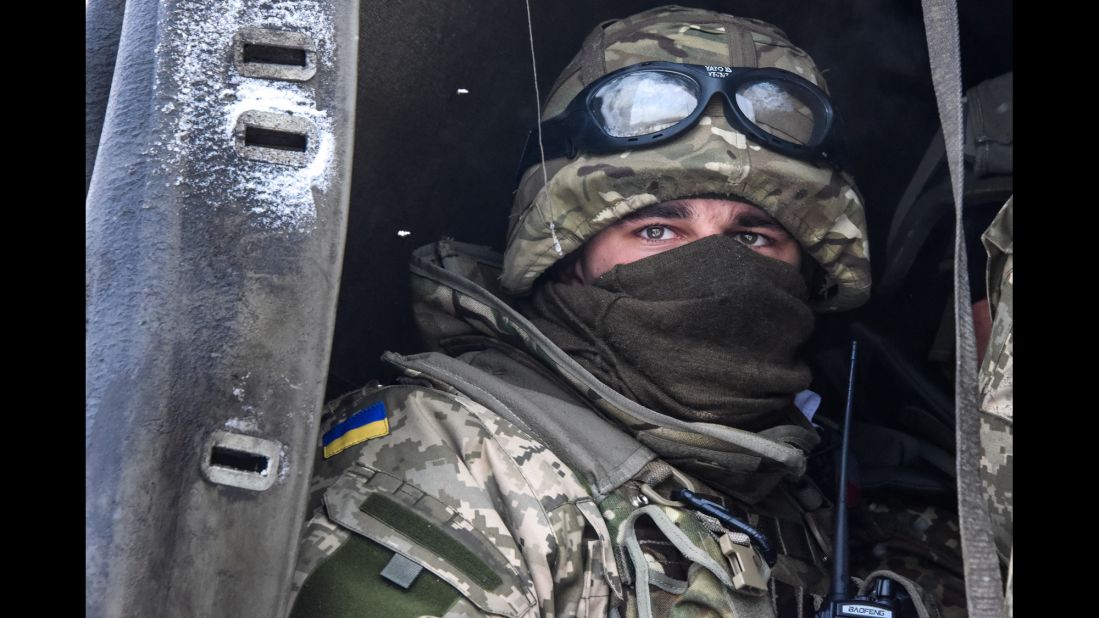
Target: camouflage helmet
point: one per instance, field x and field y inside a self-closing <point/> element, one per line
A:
<point x="819" y="206"/>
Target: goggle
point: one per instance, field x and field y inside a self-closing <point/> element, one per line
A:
<point x="654" y="102"/>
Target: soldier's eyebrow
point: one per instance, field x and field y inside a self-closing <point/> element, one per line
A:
<point x="666" y="210"/>
<point x="755" y="219"/>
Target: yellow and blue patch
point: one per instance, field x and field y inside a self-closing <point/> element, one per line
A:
<point x="370" y="422"/>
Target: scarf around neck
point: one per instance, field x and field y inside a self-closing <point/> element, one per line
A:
<point x="709" y="331"/>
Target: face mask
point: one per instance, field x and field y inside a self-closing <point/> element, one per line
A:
<point x="709" y="332"/>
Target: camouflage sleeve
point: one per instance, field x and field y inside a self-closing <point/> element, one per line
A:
<point x="923" y="543"/>
<point x="996" y="384"/>
<point x="453" y="511"/>
<point x="915" y="540"/>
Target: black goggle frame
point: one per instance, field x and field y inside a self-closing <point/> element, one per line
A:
<point x="576" y="129"/>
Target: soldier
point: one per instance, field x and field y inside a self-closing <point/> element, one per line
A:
<point x="614" y="419"/>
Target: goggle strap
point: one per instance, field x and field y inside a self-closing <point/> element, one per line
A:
<point x="524" y="157"/>
<point x="555" y="144"/>
<point x="742" y="47"/>
<point x="592" y="63"/>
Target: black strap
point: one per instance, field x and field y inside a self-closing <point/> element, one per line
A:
<point x="789" y="538"/>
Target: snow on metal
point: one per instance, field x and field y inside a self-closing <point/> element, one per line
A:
<point x="209" y="96"/>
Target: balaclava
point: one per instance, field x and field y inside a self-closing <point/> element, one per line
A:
<point x="709" y="331"/>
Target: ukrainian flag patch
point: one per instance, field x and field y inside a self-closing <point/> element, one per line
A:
<point x="370" y="422"/>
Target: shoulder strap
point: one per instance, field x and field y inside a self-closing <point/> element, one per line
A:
<point x="602" y="454"/>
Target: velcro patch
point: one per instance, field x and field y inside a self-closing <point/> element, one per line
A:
<point x="370" y="422"/>
<point x="401" y="571"/>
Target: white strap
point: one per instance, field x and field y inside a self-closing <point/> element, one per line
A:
<point x="984" y="588"/>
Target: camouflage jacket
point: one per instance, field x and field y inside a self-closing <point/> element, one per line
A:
<point x="996" y="384"/>
<point x="493" y="482"/>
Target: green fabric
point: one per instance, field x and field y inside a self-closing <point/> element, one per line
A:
<point x="452" y="282"/>
<point x="349" y="584"/>
<point x="425" y="534"/>
<point x="708" y="589"/>
<point x="709" y="332"/>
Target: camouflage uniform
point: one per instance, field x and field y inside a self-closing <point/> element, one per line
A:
<point x="503" y="478"/>
<point x="996" y="384"/>
<point x="917" y="541"/>
<point x="467" y="496"/>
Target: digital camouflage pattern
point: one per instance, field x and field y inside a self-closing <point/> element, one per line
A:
<point x="529" y="539"/>
<point x="996" y="386"/>
<point x="819" y="206"/>
<point x="922" y="544"/>
<point x="519" y="510"/>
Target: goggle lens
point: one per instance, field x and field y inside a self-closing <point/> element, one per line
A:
<point x="780" y="108"/>
<point x="643" y="103"/>
<point x="647" y="102"/>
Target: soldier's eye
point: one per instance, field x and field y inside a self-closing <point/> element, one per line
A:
<point x="657" y="232"/>
<point x="752" y="239"/>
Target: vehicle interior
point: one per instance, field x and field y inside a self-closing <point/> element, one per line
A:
<point x="444" y="99"/>
<point x="437" y="162"/>
<point x="441" y="120"/>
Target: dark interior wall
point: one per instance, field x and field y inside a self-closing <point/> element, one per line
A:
<point x="435" y="163"/>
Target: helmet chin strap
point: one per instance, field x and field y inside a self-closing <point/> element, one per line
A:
<point x="538" y="111"/>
